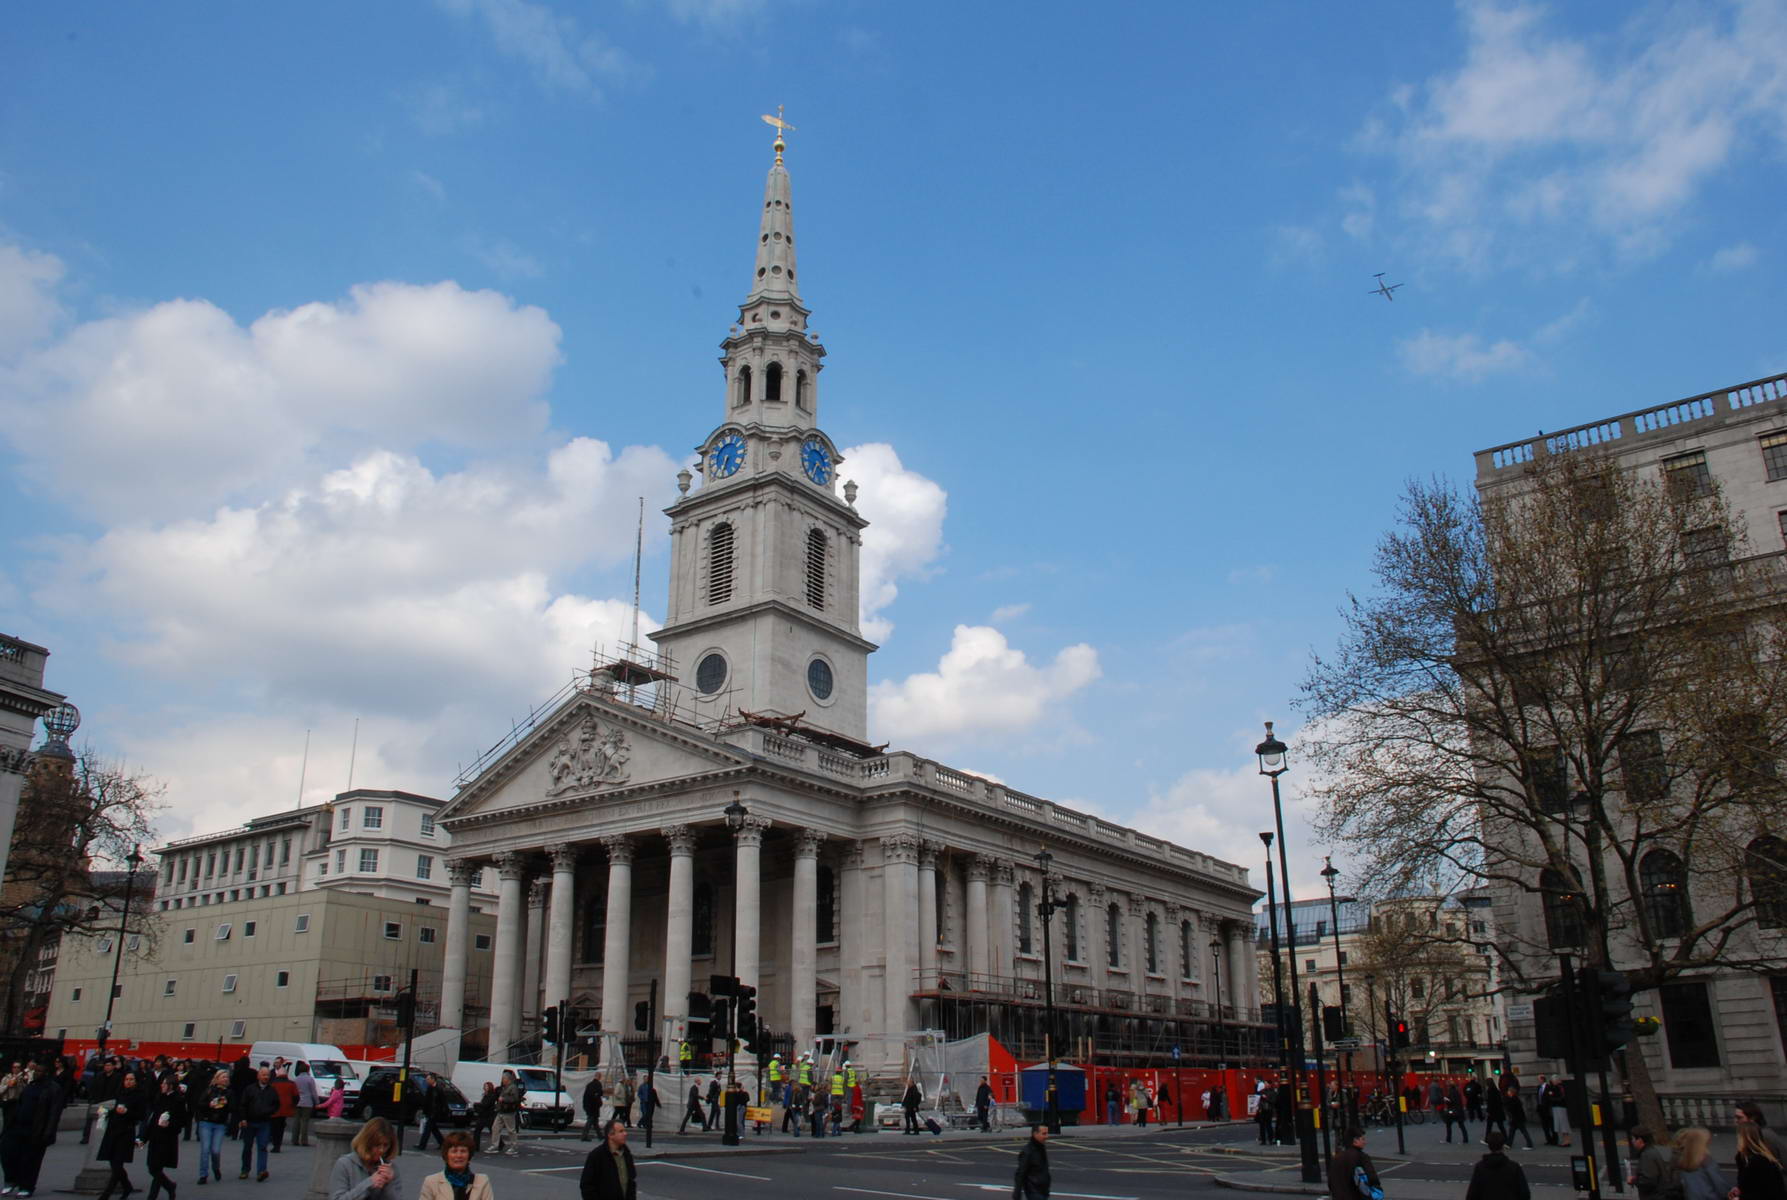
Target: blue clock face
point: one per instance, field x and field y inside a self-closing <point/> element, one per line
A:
<point x="817" y="460"/>
<point x="728" y="456"/>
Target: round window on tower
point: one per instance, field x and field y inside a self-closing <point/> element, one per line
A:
<point x="710" y="674"/>
<point x="819" y="679"/>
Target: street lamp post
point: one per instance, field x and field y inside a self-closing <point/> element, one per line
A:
<point x="735" y="814"/>
<point x="1271" y="753"/>
<point x="1051" y="1110"/>
<point x="1330" y="872"/>
<point x="111" y="997"/>
<point x="1222" y="1041"/>
<point x="1282" y="1101"/>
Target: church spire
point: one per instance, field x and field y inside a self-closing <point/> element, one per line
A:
<point x="774" y="278"/>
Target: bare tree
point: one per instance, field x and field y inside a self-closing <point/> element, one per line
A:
<point x="78" y="820"/>
<point x="1574" y="694"/>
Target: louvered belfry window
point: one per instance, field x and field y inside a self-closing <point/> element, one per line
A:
<point x="815" y="568"/>
<point x="719" y="563"/>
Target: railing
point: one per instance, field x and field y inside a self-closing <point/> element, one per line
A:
<point x="1676" y="413"/>
<point x="11" y="651"/>
<point x="976" y="986"/>
<point x="1716" y="1111"/>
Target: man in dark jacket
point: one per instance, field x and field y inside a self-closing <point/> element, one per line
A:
<point x="1344" y="1167"/>
<point x="256" y="1107"/>
<point x="1498" y="1177"/>
<point x="1032" y="1179"/>
<point x="910" y="1102"/>
<point x="608" y="1172"/>
<point x="592" y="1106"/>
<point x="1653" y="1166"/>
<point x="983" y="1105"/>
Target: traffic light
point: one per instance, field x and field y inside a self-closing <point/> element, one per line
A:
<point x="406" y="1009"/>
<point x="721" y="1030"/>
<point x="1614" y="992"/>
<point x="1333" y="1028"/>
<point x="747" y="1017"/>
<point x="1399" y="1034"/>
<point x="1551" y="1026"/>
<point x="641" y="1016"/>
<point x="549" y="1024"/>
<point x="723" y="985"/>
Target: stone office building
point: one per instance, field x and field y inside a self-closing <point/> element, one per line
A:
<point x="864" y="892"/>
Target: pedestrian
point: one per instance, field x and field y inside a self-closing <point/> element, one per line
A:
<point x="1112" y="1107"/>
<point x="1697" y="1174"/>
<point x="214" y="1123"/>
<point x="436" y="1112"/>
<point x="592" y="1106"/>
<point x="1452" y="1111"/>
<point x="505" y="1134"/>
<point x="366" y="1171"/>
<point x="305" y="1082"/>
<point x="1653" y="1167"/>
<point x="253" y="1119"/>
<point x="693" y="1111"/>
<point x="623" y="1099"/>
<point x="983" y="1105"/>
<point x="1758" y="1168"/>
<point x="1031" y="1181"/>
<point x="1267" y="1100"/>
<point x="1473" y="1099"/>
<point x="30" y="1128"/>
<point x="910" y="1102"/>
<point x="1549" y="1097"/>
<point x="1351" y="1174"/>
<point x="331" y="1108"/>
<point x="101" y="1087"/>
<point x="1750" y="1113"/>
<point x="1496" y="1112"/>
<point x="648" y="1106"/>
<point x="117" y="1141"/>
<point x="794" y="1104"/>
<point x="1516" y="1109"/>
<point x="713" y="1102"/>
<point x="165" y="1121"/>
<point x="288" y="1107"/>
<point x="484" y="1111"/>
<point x="1138" y="1103"/>
<point x="1496" y="1176"/>
<point x="456" y="1180"/>
<point x="1560" y="1113"/>
<point x="858" y="1109"/>
<point x="608" y="1172"/>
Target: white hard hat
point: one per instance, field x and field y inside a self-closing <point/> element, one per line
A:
<point x="848" y="1063"/>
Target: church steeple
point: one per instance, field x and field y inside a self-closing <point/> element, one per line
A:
<point x="774" y="280"/>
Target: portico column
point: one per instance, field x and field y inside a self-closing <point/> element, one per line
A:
<point x="927" y="915"/>
<point x="679" y="933"/>
<point x="974" y="924"/>
<point x="617" y="939"/>
<point x="1005" y="917"/>
<point x="558" y="925"/>
<point x="459" y="921"/>
<point x="899" y="881"/>
<point x="748" y="899"/>
<point x="529" y="1005"/>
<point x="1236" y="975"/>
<point x="803" y="1015"/>
<point x="505" y="1021"/>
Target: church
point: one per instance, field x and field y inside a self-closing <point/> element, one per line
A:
<point x="714" y="806"/>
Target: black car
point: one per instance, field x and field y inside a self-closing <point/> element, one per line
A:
<point x="375" y="1099"/>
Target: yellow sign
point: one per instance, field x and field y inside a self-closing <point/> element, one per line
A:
<point x="762" y="1116"/>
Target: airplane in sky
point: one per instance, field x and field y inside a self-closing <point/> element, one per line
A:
<point x="1383" y="289"/>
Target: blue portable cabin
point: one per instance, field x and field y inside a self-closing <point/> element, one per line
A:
<point x="1070" y="1091"/>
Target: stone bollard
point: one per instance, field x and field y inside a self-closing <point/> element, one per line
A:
<point x="331" y="1139"/>
<point x="94" y="1175"/>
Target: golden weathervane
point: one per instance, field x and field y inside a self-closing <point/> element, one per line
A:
<point x="781" y="127"/>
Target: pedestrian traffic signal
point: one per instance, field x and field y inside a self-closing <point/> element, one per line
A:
<point x="642" y="1016"/>
<point x="1614" y="992"/>
<point x="747" y="1016"/>
<point x="1399" y="1034"/>
<point x="549" y="1024"/>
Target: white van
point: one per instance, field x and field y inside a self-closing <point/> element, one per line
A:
<point x="544" y="1106"/>
<point x="327" y="1064"/>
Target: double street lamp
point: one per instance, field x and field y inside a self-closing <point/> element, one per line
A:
<point x="1330" y="873"/>
<point x="1051" y="1107"/>
<point x="1271" y="753"/>
<point x="104" y="1033"/>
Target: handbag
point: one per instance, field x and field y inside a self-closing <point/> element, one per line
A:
<point x="1367" y="1189"/>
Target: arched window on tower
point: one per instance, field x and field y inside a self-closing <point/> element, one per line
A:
<point x="1563" y="918"/>
<point x="772" y="383"/>
<point x="1070" y="911"/>
<point x="1026" y="907"/>
<point x="825" y="911"/>
<point x="815" y="568"/>
<point x="803" y="399"/>
<point x="742" y="389"/>
<point x="1151" y="938"/>
<point x="1767" y="869"/>
<point x="1665" y="886"/>
<point x="1113" y="934"/>
<point x="719" y="563"/>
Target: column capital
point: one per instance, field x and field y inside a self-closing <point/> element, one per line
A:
<point x="564" y="858"/>
<point x="536" y="892"/>
<point x="807" y="843"/>
<point x="750" y="831"/>
<point x="1005" y="871"/>
<point x="511" y="864"/>
<point x="1137" y="906"/>
<point x="1095" y="895"/>
<point x="899" y="848"/>
<point x="852" y="855"/>
<point x="620" y="849"/>
<point x="16" y="760"/>
<point x="681" y="839"/>
<point x="927" y="854"/>
<point x="460" y="872"/>
<point x="980" y="869"/>
<point x="1171" y="913"/>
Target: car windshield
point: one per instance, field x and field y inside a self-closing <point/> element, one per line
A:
<point x="453" y="1094"/>
<point x="330" y="1066"/>
<point x="536" y="1081"/>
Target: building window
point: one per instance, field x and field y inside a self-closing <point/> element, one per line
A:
<point x="815" y="568"/>
<point x="1418" y="989"/>
<point x="1187" y="961"/>
<point x="1781" y="520"/>
<point x="478" y="880"/>
<point x="1688" y="1022"/>
<point x="1070" y="912"/>
<point x="76" y="996"/>
<point x="167" y="987"/>
<point x="1026" y="906"/>
<point x="1774" y="454"/>
<point x="1767" y="869"/>
<point x="1563" y="919"/>
<point x="744" y="387"/>
<point x="801" y="399"/>
<point x="282" y="979"/>
<point x="381" y="983"/>
<point x="595" y="928"/>
<point x="425" y="934"/>
<point x="285" y="852"/>
<point x="254" y="858"/>
<point x="1704" y="548"/>
<point x="941" y="891"/>
<point x="210" y="864"/>
<point x="373" y="817"/>
<point x="393" y="930"/>
<point x="1113" y="935"/>
<point x="1547" y="779"/>
<point x="1151" y="943"/>
<point x="772" y="383"/>
<point x="702" y="925"/>
<point x="424" y="866"/>
<point x="188" y="936"/>
<point x="825" y="910"/>
<point x="719" y="563"/>
<point x="302" y="924"/>
<point x="427" y="825"/>
<point x="248" y="929"/>
<point x="340" y="861"/>
<point x="182" y="877"/>
<point x="1665" y="885"/>
<point x="189" y="1031"/>
<point x="238" y="1030"/>
<point x="368" y="860"/>
<point x="240" y="852"/>
<point x="223" y="932"/>
<point x="481" y="941"/>
<point x="279" y="888"/>
<point x="1642" y="769"/>
<point x="1688" y="476"/>
<point x="229" y="983"/>
<point x="347" y="819"/>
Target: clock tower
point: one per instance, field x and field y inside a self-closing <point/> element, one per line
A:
<point x="765" y="555"/>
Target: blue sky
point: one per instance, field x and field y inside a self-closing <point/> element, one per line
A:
<point x="337" y="342"/>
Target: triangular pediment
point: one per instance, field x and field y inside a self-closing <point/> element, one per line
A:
<point x="587" y="752"/>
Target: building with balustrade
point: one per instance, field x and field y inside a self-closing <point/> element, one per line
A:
<point x="866" y="893"/>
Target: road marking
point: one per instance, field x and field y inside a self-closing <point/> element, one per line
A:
<point x="1000" y="1187"/>
<point x="549" y="1170"/>
<point x="873" y="1192"/>
<point x="659" y="1162"/>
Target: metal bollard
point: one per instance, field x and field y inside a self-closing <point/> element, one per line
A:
<point x="331" y="1139"/>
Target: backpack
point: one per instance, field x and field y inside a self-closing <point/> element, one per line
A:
<point x="1366" y="1188"/>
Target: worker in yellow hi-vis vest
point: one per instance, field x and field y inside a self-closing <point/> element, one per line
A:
<point x="685" y="1055"/>
<point x="776" y="1074"/>
<point x="804" y="1074"/>
<point x="849" y="1075"/>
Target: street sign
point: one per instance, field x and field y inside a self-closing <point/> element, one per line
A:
<point x="1520" y="1012"/>
<point x="1175" y="1054"/>
<point x="1348" y="1043"/>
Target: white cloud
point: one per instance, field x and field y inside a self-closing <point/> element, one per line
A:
<point x="181" y="408"/>
<point x="439" y="110"/>
<point x="905" y="511"/>
<point x="1738" y="257"/>
<point x="1555" y="331"/>
<point x="1540" y="133"/>
<point x="29" y="309"/>
<point x="505" y="258"/>
<point x="1360" y="216"/>
<point x="1295" y="244"/>
<point x="1009" y="612"/>
<point x="715" y="14"/>
<point x="1463" y="356"/>
<point x="429" y="184"/>
<point x="981" y="685"/>
<point x="553" y="46"/>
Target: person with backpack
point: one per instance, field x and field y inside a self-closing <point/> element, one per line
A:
<point x="1496" y="1176"/>
<point x="1351" y="1173"/>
